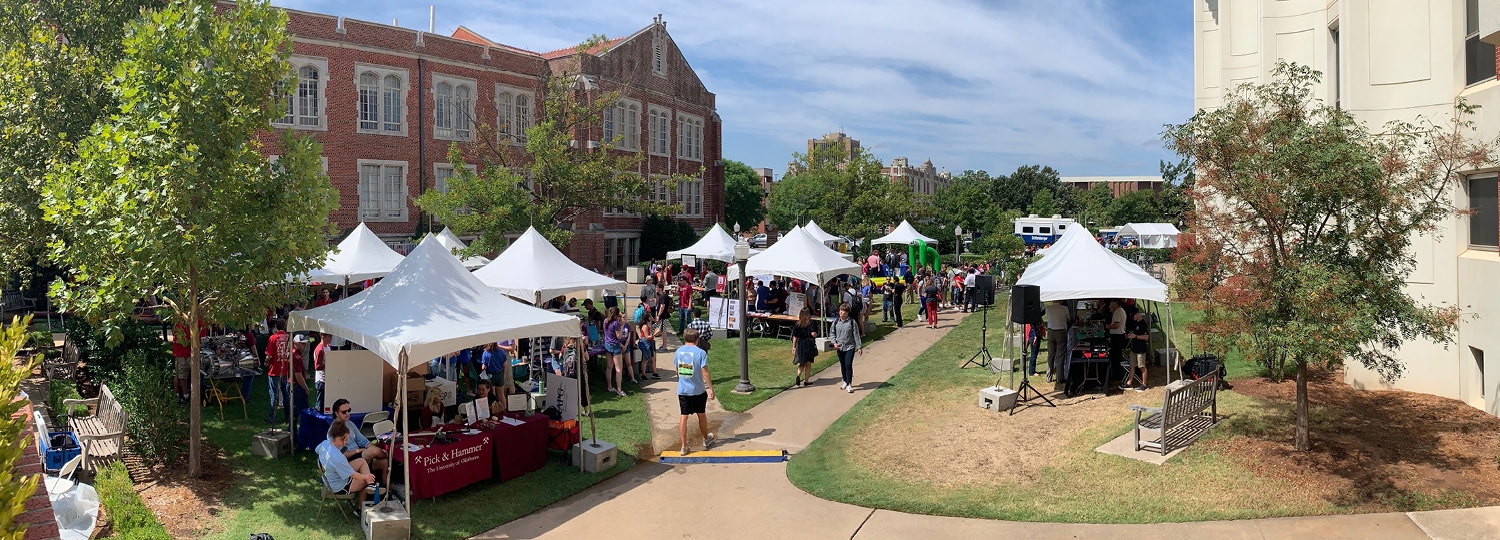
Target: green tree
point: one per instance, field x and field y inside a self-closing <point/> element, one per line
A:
<point x="1093" y="205"/>
<point x="967" y="203"/>
<point x="1302" y="221"/>
<point x="171" y="197"/>
<point x="1016" y="190"/>
<point x="847" y="194"/>
<point x="743" y="198"/>
<point x="55" y="56"/>
<point x="1177" y="178"/>
<point x="1134" y="207"/>
<point x="1042" y="204"/>
<point x="550" y="181"/>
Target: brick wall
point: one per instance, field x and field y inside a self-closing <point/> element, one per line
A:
<point x="38" y="513"/>
<point x="348" y="45"/>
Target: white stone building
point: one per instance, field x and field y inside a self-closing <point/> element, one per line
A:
<point x="1386" y="60"/>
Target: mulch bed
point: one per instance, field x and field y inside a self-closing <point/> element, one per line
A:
<point x="1376" y="451"/>
<point x="184" y="505"/>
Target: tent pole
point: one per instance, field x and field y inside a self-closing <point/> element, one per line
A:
<point x="583" y="395"/>
<point x="405" y="431"/>
<point x="1172" y="360"/>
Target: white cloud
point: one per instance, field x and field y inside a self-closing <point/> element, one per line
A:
<point x="971" y="84"/>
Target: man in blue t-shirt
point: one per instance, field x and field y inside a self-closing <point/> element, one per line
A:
<point x="694" y="387"/>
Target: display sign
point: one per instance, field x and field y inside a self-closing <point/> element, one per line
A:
<point x="724" y="313"/>
<point x="562" y="392"/>
<point x="795" y="302"/>
<point x="689" y="260"/>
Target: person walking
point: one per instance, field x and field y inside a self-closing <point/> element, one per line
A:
<point x="885" y="299"/>
<point x="694" y="388"/>
<point x="898" y="297"/>
<point x="846" y="341"/>
<point x="804" y="347"/>
<point x="647" y="332"/>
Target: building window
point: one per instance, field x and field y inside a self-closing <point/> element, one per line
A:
<point x="622" y="125"/>
<point x="513" y="107"/>
<point x="453" y="108"/>
<point x="620" y="253"/>
<point x="442" y="172"/>
<point x="1479" y="57"/>
<point x="380" y="100"/>
<point x="303" y="104"/>
<point x="690" y="197"/>
<point x="689" y="136"/>
<point x="1484" y="223"/>
<point x="659" y="124"/>
<point x="382" y="190"/>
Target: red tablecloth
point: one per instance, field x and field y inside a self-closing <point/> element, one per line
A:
<point x="442" y="468"/>
<point x="519" y="449"/>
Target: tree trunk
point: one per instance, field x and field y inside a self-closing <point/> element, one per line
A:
<point x="195" y="413"/>
<point x="1301" y="438"/>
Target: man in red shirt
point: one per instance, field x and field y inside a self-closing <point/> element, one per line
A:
<point x="283" y="360"/>
<point x="684" y="303"/>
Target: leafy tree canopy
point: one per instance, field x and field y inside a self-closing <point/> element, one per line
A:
<point x="1301" y="224"/>
<point x="847" y="194"/>
<point x="742" y="196"/>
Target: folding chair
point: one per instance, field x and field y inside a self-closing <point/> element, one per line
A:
<point x="367" y="425"/>
<point x="66" y="473"/>
<point x="328" y="493"/>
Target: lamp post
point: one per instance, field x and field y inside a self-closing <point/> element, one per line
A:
<point x="958" y="244"/>
<point x="742" y="254"/>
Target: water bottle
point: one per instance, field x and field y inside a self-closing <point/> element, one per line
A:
<point x="377" y="493"/>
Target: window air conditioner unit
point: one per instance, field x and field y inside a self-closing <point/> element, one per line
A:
<point x="596" y="226"/>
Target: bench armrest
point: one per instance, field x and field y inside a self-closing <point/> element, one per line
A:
<point x="1145" y="409"/>
<point x="89" y="401"/>
<point x="99" y="436"/>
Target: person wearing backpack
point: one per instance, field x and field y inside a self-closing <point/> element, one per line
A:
<point x="846" y="342"/>
<point x="855" y="302"/>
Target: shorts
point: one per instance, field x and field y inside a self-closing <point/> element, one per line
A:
<point x="647" y="346"/>
<point x="1138" y="359"/>
<point x="184" y="368"/>
<point x="344" y="490"/>
<point x="696" y="404"/>
<point x="613" y="348"/>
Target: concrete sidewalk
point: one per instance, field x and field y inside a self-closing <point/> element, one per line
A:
<point x="758" y="501"/>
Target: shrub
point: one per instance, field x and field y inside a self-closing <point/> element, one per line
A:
<point x="40" y="340"/>
<point x="59" y="390"/>
<point x="128" y="512"/>
<point x="102" y="359"/>
<point x="157" y="428"/>
<point x="13" y="490"/>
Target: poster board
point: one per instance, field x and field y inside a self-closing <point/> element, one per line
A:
<point x="724" y="313"/>
<point x="562" y="392"/>
<point x="795" y="302"/>
<point x="356" y="376"/>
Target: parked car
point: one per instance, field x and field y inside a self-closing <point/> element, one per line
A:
<point x="758" y="241"/>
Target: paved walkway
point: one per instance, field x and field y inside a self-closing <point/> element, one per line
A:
<point x="758" y="501"/>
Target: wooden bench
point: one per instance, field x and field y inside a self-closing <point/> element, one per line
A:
<point x="1181" y="405"/>
<point x="16" y="301"/>
<point x="102" y="434"/>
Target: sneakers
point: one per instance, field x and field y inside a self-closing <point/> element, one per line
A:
<point x="1140" y="389"/>
<point x="843" y="385"/>
<point x="708" y="441"/>
<point x="849" y="389"/>
<point x="683" y="451"/>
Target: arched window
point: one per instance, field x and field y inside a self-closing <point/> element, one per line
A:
<point x="307" y="96"/>
<point x="504" y="103"/>
<point x="462" y="98"/>
<point x="391" y="102"/>
<point x="444" y="110"/>
<point x="633" y="127"/>
<point x="523" y="117"/>
<point x="369" y="101"/>
<point x="610" y="112"/>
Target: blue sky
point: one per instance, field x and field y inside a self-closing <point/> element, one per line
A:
<point x="1082" y="86"/>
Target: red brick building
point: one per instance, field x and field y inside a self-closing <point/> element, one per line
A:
<point x="386" y="102"/>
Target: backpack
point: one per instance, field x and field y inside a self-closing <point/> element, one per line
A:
<point x="856" y="304"/>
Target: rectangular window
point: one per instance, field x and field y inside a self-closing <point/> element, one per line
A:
<point x="513" y="108"/>
<point x="1484" y="223"/>
<point x="381" y="106"/>
<point x="453" y="108"/>
<point x="382" y="190"/>
<point x="1027" y="230"/>
<point x="1479" y="57"/>
<point x="689" y="136"/>
<point x="303" y="99"/>
<point x="1338" y="75"/>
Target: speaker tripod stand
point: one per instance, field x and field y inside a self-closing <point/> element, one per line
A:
<point x="1025" y="391"/>
<point x="982" y="358"/>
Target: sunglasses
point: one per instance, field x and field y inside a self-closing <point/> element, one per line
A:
<point x="345" y="411"/>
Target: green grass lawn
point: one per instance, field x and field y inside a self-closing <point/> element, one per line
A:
<point x="771" y="369"/>
<point x="1077" y="485"/>
<point x="281" y="497"/>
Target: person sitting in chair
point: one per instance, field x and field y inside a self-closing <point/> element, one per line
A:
<point x="341" y="474"/>
<point x="356" y="446"/>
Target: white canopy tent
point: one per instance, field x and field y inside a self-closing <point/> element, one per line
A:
<point x="361" y="256"/>
<point x="428" y="306"/>
<point x="532" y="268"/>
<point x="715" y="245"/>
<point x="1076" y="267"/>
<point x="800" y="256"/>
<point x="1152" y="235"/>
<point x="451" y="241"/>
<point x="903" y="234"/>
<point x="819" y="234"/>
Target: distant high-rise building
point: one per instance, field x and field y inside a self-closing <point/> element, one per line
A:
<point x="767" y="181"/>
